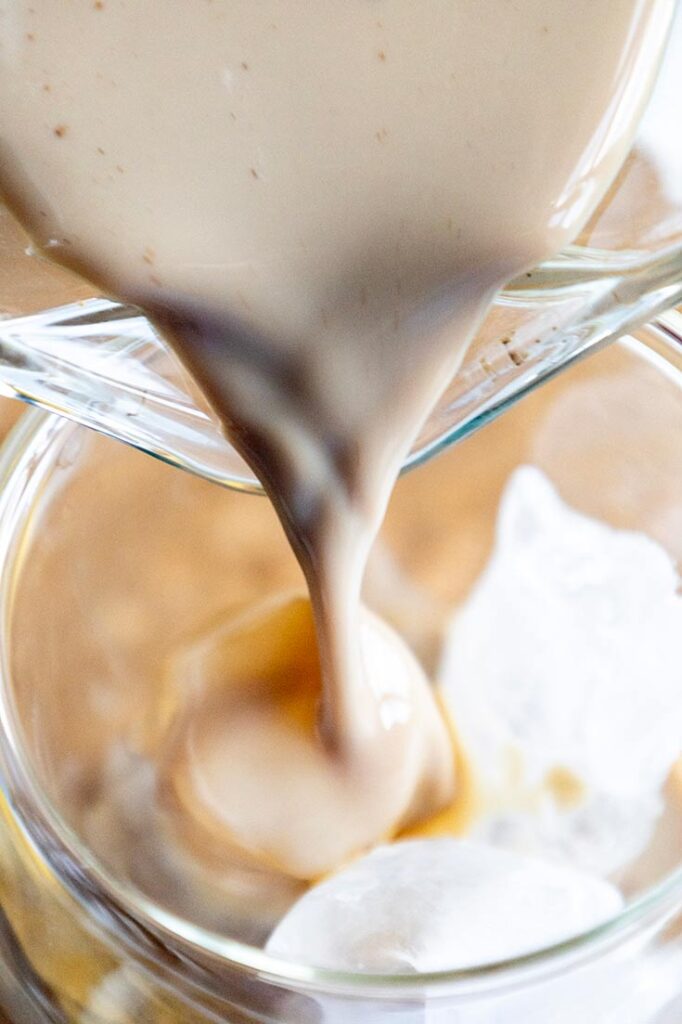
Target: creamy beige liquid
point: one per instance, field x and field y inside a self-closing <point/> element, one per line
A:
<point x="316" y="203"/>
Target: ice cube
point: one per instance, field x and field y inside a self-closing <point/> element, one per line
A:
<point x="439" y="904"/>
<point x="563" y="672"/>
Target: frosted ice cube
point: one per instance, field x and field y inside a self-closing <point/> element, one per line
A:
<point x="439" y="904"/>
<point x="563" y="671"/>
<point x="119" y="996"/>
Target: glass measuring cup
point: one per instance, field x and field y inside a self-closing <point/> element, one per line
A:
<point x="102" y="365"/>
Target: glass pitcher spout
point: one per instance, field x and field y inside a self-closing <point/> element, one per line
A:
<point x="102" y="364"/>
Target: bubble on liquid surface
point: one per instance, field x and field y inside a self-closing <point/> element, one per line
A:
<point x="439" y="904"/>
<point x="563" y="672"/>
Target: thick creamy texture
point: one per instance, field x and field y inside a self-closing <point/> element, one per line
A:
<point x="116" y="588"/>
<point x="316" y="204"/>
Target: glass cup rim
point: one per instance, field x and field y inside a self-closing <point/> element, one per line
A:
<point x="31" y="447"/>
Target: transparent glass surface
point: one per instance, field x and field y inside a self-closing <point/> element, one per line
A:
<point x="102" y="581"/>
<point x="101" y="364"/>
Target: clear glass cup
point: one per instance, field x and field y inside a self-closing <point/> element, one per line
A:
<point x="102" y="365"/>
<point x="99" y="581"/>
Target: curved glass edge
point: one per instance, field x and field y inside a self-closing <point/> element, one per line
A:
<point x="25" y="461"/>
<point x="101" y="364"/>
<point x="596" y="334"/>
